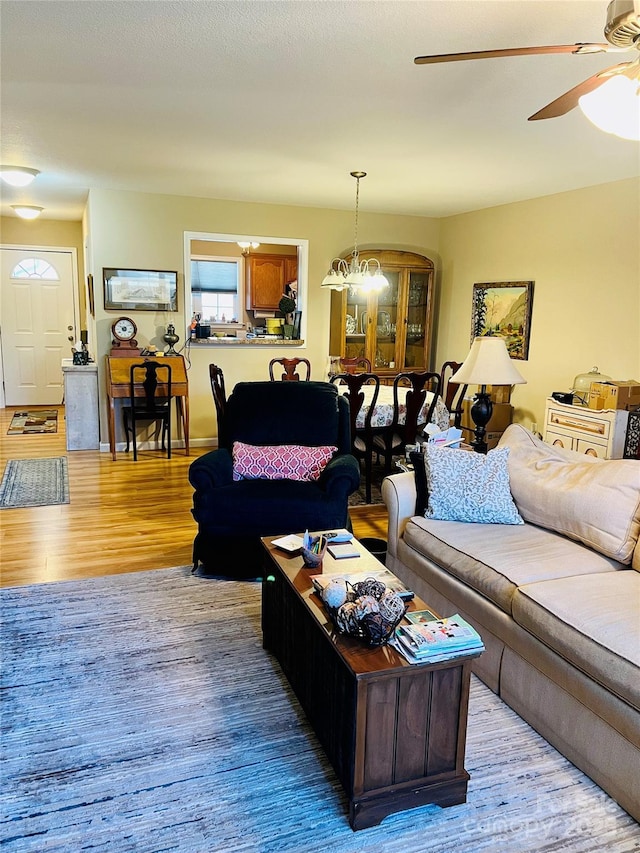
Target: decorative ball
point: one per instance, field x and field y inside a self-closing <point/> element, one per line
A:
<point x="335" y="593"/>
<point x="365" y="605"/>
<point x="392" y="607"/>
<point x="346" y="618"/>
<point x="371" y="587"/>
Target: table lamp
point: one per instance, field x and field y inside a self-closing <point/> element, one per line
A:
<point x="488" y="363"/>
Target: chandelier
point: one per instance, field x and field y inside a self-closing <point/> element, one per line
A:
<point x="358" y="274"/>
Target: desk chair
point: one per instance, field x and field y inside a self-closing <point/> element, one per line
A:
<point x="452" y="393"/>
<point x="395" y="438"/>
<point x="216" y="377"/>
<point x="350" y="365"/>
<point x="361" y="437"/>
<point x="290" y="366"/>
<point x="153" y="405"/>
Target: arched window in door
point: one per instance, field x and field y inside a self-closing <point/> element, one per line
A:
<point x="35" y="268"/>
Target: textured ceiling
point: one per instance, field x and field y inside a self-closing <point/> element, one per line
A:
<point x="278" y="101"/>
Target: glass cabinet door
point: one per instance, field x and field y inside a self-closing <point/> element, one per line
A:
<point x="356" y="320"/>
<point x="417" y="304"/>
<point x="384" y="331"/>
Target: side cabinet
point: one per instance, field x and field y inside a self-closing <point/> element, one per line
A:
<point x="596" y="433"/>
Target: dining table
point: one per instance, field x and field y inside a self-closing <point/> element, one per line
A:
<point x="383" y="412"/>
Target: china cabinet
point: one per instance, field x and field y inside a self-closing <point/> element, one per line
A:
<point x="392" y="328"/>
<point x="266" y="277"/>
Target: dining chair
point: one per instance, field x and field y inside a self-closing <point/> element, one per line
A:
<point x="350" y="365"/>
<point x="290" y="366"/>
<point x="154" y="404"/>
<point x="361" y="437"/>
<point x="452" y="393"/>
<point x="413" y="386"/>
<point x="216" y="377"/>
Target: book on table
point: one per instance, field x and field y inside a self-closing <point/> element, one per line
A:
<point x="342" y="550"/>
<point x="437" y="640"/>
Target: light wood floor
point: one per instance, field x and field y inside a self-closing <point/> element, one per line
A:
<point x="123" y="516"/>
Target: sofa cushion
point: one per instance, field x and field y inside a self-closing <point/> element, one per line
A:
<point x="280" y="461"/>
<point x="469" y="486"/>
<point x="592" y="622"/>
<point x="594" y="501"/>
<point x="495" y="559"/>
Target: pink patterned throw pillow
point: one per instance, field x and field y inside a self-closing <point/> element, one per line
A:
<point x="279" y="462"/>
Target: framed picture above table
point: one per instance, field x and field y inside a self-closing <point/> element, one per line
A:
<point x="503" y="309"/>
<point x="140" y="290"/>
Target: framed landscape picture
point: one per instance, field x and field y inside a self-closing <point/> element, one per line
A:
<point x="140" y="290"/>
<point x="503" y="309"/>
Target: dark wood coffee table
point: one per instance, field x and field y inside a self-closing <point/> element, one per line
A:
<point x="394" y="732"/>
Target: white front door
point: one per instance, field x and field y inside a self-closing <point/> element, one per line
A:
<point x="37" y="322"/>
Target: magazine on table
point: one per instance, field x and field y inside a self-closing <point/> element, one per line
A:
<point x="439" y="639"/>
<point x="384" y="575"/>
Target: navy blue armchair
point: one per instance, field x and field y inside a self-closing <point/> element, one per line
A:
<point x="233" y="515"/>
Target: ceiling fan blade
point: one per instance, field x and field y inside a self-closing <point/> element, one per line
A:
<point x="513" y="51"/>
<point x="567" y="102"/>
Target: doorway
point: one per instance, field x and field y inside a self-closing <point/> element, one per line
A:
<point x="38" y="322"/>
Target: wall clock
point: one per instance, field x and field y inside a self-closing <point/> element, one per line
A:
<point x="124" y="342"/>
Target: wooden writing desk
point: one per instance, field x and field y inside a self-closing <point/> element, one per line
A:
<point x="118" y="387"/>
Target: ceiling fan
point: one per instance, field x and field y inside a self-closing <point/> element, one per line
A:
<point x="622" y="32"/>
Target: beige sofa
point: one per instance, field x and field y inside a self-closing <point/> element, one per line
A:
<point x="556" y="599"/>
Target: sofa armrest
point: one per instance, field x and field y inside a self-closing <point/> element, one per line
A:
<point x="212" y="470"/>
<point x="399" y="495"/>
<point x="340" y="475"/>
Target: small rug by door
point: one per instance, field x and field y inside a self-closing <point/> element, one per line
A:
<point x="34" y="482"/>
<point x="34" y="422"/>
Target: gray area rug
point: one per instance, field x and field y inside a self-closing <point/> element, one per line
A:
<point x="34" y="482"/>
<point x="141" y="713"/>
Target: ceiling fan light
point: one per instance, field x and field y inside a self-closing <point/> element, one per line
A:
<point x="27" y="211"/>
<point x="615" y="107"/>
<point x="17" y="176"/>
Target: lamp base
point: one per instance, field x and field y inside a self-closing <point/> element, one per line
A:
<point x="481" y="412"/>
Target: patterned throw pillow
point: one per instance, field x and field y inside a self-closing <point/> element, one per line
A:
<point x="279" y="462"/>
<point x="468" y="486"/>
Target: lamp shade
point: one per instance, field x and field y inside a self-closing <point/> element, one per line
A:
<point x="488" y="363"/>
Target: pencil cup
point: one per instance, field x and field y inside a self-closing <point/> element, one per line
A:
<point x="312" y="556"/>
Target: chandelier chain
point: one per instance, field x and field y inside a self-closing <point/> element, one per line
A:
<point x="355" y="237"/>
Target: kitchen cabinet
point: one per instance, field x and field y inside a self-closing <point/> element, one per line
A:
<point x="393" y="328"/>
<point x="265" y="279"/>
<point x="594" y="432"/>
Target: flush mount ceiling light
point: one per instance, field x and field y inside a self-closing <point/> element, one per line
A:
<point x="357" y="274"/>
<point x="247" y="247"/>
<point x="27" y="211"/>
<point x="17" y="176"/>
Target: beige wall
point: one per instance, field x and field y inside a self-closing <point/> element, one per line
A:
<point x="147" y="231"/>
<point x="581" y="248"/>
<point x="46" y="232"/>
